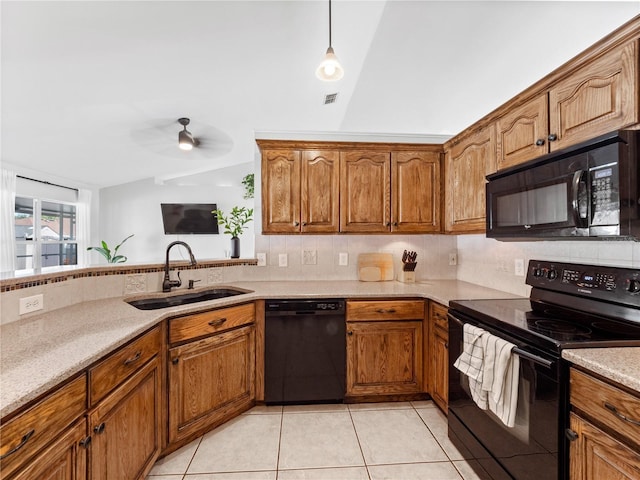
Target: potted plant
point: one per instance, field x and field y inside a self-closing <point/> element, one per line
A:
<point x="106" y="252"/>
<point x="234" y="224"/>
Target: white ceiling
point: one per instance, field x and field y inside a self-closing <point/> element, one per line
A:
<point x="91" y="91"/>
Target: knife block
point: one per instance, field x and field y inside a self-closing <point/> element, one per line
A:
<point x="407" y="277"/>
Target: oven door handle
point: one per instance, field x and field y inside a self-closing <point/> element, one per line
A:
<point x="534" y="358"/>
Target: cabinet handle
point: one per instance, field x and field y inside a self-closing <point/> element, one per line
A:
<point x="571" y="435"/>
<point x="85" y="442"/>
<point x="540" y="142"/>
<point x="552" y="138"/>
<point x="25" y="439"/>
<point x="99" y="428"/>
<point x="615" y="411"/>
<point x="304" y="224"/>
<point x="446" y="345"/>
<point x="388" y="224"/>
<point x="395" y="224"/>
<point x="175" y="360"/>
<point x="382" y="310"/>
<point x="296" y="224"/>
<point x="133" y="359"/>
<point x="218" y="322"/>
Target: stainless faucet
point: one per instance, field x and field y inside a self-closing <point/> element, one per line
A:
<point x="167" y="283"/>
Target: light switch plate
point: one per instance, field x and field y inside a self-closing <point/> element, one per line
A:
<point x="519" y="267"/>
<point x="343" y="259"/>
<point x="262" y="259"/>
<point x="453" y="259"/>
<point x="282" y="260"/>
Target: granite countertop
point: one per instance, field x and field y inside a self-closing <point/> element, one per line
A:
<point x="39" y="352"/>
<point x="621" y="365"/>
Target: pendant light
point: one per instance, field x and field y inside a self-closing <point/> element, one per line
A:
<point x="330" y="69"/>
<point x="185" y="139"/>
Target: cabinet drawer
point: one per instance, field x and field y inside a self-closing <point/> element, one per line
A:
<point x="201" y="324"/>
<point x="438" y="314"/>
<point x="118" y="366"/>
<point x="606" y="404"/>
<point x="24" y="435"/>
<point x="385" y="310"/>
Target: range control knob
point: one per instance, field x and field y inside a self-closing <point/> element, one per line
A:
<point x="634" y="286"/>
<point x="552" y="274"/>
<point x="538" y="272"/>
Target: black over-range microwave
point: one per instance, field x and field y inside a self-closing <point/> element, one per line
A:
<point x="587" y="191"/>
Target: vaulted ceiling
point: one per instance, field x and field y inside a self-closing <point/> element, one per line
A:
<point x="92" y="90"/>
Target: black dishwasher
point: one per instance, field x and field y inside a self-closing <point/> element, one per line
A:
<point x="305" y="351"/>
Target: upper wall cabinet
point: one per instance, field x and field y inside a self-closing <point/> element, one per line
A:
<point x="467" y="163"/>
<point x="596" y="98"/>
<point x="331" y="187"/>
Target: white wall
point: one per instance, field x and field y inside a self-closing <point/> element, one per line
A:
<point x="491" y="263"/>
<point x="134" y="208"/>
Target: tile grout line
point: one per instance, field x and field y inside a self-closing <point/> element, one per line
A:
<point x="355" y="430"/>
<point x="279" y="443"/>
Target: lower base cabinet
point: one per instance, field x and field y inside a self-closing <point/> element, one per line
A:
<point x="439" y="355"/>
<point x="124" y="427"/>
<point x="209" y="381"/>
<point x="65" y="459"/>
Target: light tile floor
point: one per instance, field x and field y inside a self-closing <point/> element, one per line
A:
<point x="371" y="441"/>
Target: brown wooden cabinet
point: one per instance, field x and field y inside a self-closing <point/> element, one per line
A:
<point x="384" y="347"/>
<point x="29" y="435"/>
<point x="467" y="163"/>
<point x="439" y="355"/>
<point x="594" y="99"/>
<point x="213" y="378"/>
<point x="604" y="424"/>
<point x="300" y="191"/>
<point x="125" y="419"/>
<point x="64" y="459"/>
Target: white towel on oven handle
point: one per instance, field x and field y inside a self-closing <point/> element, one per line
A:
<point x="471" y="362"/>
<point x="501" y="377"/>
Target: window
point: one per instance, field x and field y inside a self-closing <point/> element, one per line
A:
<point x="45" y="233"/>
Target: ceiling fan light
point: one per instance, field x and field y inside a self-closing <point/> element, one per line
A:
<point x="185" y="140"/>
<point x="330" y="68"/>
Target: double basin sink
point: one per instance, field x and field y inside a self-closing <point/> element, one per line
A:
<point x="157" y="302"/>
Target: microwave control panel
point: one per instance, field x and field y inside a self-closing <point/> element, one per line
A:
<point x="605" y="196"/>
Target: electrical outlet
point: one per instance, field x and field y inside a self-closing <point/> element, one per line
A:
<point x="282" y="260"/>
<point x="343" y="259"/>
<point x="519" y="267"/>
<point x="309" y="257"/>
<point x="262" y="259"/>
<point x="453" y="259"/>
<point x="31" y="304"/>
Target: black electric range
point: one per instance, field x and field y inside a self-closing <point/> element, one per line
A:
<point x="570" y="306"/>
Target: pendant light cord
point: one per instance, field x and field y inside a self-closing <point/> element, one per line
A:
<point x="329" y="23"/>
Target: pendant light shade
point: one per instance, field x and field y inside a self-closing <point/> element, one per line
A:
<point x="330" y="69"/>
<point x="185" y="139"/>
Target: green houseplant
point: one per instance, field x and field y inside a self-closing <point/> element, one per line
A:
<point x="234" y="224"/>
<point x="106" y="252"/>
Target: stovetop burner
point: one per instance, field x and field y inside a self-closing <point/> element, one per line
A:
<point x="559" y="329"/>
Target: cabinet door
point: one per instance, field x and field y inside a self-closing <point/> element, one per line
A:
<point x="600" y="97"/>
<point x="320" y="187"/>
<point x="466" y="166"/>
<point x="594" y="455"/>
<point x="439" y="355"/>
<point x="125" y="427"/>
<point x="384" y="358"/>
<point x="65" y="459"/>
<point x="415" y="187"/>
<point x="209" y="380"/>
<point x="280" y="191"/>
<point x="522" y="133"/>
<point x="365" y="187"/>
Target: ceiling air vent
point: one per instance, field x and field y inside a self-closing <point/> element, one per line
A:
<point x="330" y="98"/>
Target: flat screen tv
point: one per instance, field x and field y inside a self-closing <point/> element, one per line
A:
<point x="189" y="218"/>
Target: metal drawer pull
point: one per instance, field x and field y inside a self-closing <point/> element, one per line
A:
<point x="533" y="358"/>
<point x="615" y="411"/>
<point x="218" y="322"/>
<point x="99" y="428"/>
<point x="85" y="442"/>
<point x="382" y="310"/>
<point x="24" y="440"/>
<point x="135" y="358"/>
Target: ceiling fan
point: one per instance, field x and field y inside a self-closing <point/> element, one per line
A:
<point x="199" y="140"/>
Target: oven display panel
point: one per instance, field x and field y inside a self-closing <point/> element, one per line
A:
<point x="605" y="281"/>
